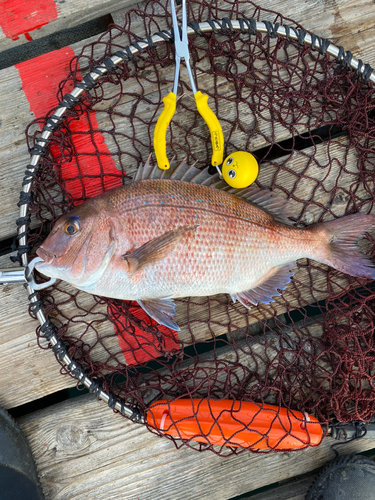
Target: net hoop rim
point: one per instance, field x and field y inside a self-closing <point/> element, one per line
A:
<point x="225" y="27"/>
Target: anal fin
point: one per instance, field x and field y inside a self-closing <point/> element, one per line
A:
<point x="161" y="310"/>
<point x="271" y="287"/>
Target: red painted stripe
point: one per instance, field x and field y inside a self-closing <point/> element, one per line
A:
<point x="40" y="79"/>
<point x="19" y="17"/>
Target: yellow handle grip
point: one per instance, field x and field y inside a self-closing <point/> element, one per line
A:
<point x="160" y="132"/>
<point x="217" y="137"/>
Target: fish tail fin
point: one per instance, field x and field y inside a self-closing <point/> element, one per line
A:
<point x="341" y="250"/>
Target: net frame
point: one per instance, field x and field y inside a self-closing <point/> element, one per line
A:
<point x="226" y="27"/>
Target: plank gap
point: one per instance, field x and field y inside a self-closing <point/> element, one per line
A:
<point x="54" y="41"/>
<point x="9" y="245"/>
<point x="299" y="142"/>
<point x="46" y="401"/>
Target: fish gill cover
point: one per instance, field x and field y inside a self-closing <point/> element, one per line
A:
<point x="310" y="122"/>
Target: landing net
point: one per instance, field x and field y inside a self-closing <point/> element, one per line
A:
<point x="309" y="119"/>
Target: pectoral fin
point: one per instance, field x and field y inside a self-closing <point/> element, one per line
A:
<point x="161" y="310"/>
<point x="156" y="249"/>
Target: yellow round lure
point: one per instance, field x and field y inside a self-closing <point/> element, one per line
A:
<point x="240" y="169"/>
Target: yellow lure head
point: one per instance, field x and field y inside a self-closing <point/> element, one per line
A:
<point x="240" y="169"/>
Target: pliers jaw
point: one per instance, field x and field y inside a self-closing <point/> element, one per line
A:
<point x="181" y="47"/>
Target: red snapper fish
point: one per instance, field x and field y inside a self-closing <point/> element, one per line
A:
<point x="173" y="233"/>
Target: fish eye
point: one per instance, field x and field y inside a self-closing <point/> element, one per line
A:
<point x="71" y="227"/>
<point x="229" y="160"/>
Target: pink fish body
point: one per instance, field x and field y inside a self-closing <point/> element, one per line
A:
<point x="160" y="239"/>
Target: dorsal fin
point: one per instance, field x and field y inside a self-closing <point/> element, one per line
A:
<point x="156" y="173"/>
<point x="211" y="180"/>
<point x="138" y="174"/>
<point x="179" y="172"/>
<point x="147" y="169"/>
<point x="182" y="169"/>
<point x="220" y="184"/>
<point x="274" y="204"/>
<point x="202" y="177"/>
<point x="191" y="172"/>
<point x="175" y="170"/>
<point x="264" y="198"/>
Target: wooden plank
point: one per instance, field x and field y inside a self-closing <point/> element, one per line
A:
<point x="246" y="357"/>
<point x="18" y="26"/>
<point x="14" y="157"/>
<point x="26" y="371"/>
<point x="349" y="23"/>
<point x="296" y="488"/>
<point x="13" y="151"/>
<point x="82" y="449"/>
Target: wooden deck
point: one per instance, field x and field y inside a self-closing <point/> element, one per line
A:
<point x="82" y="449"/>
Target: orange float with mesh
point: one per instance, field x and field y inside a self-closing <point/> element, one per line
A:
<point x="235" y="423"/>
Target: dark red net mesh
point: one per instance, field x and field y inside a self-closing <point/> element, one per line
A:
<point x="310" y="122"/>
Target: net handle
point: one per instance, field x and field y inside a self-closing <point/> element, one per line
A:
<point x="110" y="64"/>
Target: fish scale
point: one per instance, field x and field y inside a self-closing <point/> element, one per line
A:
<point x="162" y="238"/>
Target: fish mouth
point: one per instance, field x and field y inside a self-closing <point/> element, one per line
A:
<point x="47" y="257"/>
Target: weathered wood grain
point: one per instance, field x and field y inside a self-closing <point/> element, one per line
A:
<point x="82" y="449"/>
<point x="296" y="488"/>
<point x="26" y="371"/>
<point x="349" y="23"/>
<point x="246" y="358"/>
<point x="69" y="13"/>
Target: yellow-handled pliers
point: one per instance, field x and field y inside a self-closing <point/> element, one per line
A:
<point x="217" y="138"/>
